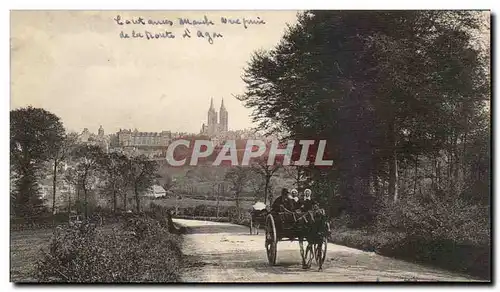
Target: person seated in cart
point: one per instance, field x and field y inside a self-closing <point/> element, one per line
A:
<point x="258" y="209"/>
<point x="282" y="201"/>
<point x="294" y="199"/>
<point x="299" y="206"/>
<point x="309" y="203"/>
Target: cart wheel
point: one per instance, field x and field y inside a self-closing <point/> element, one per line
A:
<point x="271" y="240"/>
<point x="251" y="226"/>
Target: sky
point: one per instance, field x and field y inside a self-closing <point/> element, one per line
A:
<point x="75" y="65"/>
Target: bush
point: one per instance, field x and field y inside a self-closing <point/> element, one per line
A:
<point x="438" y="219"/>
<point x="142" y="251"/>
<point x="448" y="233"/>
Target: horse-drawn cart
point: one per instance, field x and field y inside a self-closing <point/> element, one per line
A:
<point x="309" y="227"/>
<point x="257" y="217"/>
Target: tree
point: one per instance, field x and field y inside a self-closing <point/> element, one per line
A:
<point x="142" y="174"/>
<point x="216" y="177"/>
<point x="299" y="175"/>
<point x="34" y="132"/>
<point x="383" y="88"/>
<point x="70" y="177"/>
<point x="257" y="184"/>
<point x="266" y="171"/>
<point x="237" y="178"/>
<point x="116" y="177"/>
<point x="60" y="153"/>
<point x="88" y="159"/>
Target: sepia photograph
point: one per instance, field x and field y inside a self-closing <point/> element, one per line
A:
<point x="250" y="146"/>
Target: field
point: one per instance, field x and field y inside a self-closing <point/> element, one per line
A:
<point x="24" y="251"/>
<point x="25" y="246"/>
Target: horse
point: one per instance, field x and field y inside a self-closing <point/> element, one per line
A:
<point x="258" y="217"/>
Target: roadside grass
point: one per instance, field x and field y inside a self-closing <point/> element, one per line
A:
<point x="465" y="260"/>
<point x="113" y="252"/>
<point x="363" y="239"/>
<point x="24" y="252"/>
<point x="25" y="248"/>
<point x="25" y="245"/>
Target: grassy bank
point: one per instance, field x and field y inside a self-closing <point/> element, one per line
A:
<point x="466" y="259"/>
<point x="138" y="249"/>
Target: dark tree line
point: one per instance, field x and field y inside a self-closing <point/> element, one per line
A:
<point x="401" y="97"/>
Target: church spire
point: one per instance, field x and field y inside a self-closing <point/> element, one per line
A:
<point x="222" y="105"/>
<point x="211" y="103"/>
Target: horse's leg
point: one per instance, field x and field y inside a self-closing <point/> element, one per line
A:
<point x="302" y="255"/>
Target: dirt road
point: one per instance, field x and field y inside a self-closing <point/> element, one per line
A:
<point x="223" y="252"/>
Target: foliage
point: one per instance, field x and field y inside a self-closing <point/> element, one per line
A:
<point x="402" y="99"/>
<point x="114" y="166"/>
<point x="237" y="178"/>
<point x="267" y="172"/>
<point x="88" y="159"/>
<point x="142" y="252"/>
<point x="141" y="175"/>
<point x="34" y="133"/>
<point x="61" y="153"/>
<point x="435" y="218"/>
<point x="373" y="89"/>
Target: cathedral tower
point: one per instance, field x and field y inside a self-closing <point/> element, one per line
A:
<point x="212" y="119"/>
<point x="223" y="117"/>
<point x="100" y="132"/>
<point x="216" y="124"/>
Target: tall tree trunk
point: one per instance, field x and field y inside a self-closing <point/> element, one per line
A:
<point x="137" y="200"/>
<point x="114" y="201"/>
<point x="393" y="166"/>
<point x="266" y="190"/>
<point x="415" y="180"/>
<point x="464" y="165"/>
<point x="237" y="201"/>
<point x="434" y="171"/>
<point x="217" y="199"/>
<point x="299" y="173"/>
<point x="54" y="183"/>
<point x="395" y="177"/>
<point x="69" y="199"/>
<point x="438" y="172"/>
<point x="125" y="201"/>
<point x="84" y="187"/>
<point x="85" y="203"/>
<point x="450" y="163"/>
<point x="456" y="183"/>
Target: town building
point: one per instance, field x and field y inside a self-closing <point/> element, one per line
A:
<point x="149" y="144"/>
<point x="129" y="138"/>
<point x="156" y="191"/>
<point x="86" y="137"/>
